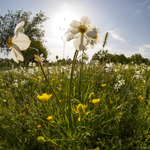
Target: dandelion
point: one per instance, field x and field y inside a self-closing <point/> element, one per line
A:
<point x="95" y="101"/>
<point x="81" y="32"/>
<point x="97" y="148"/>
<point x="41" y="139"/>
<point x="44" y="97"/>
<point x="18" y="42"/>
<point x="4" y="101"/>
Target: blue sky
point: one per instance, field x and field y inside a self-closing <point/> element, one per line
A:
<point x="127" y="21"/>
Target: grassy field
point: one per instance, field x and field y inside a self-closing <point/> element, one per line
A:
<point x="87" y="107"/>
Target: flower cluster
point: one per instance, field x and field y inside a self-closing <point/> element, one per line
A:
<point x="119" y="83"/>
<point x="109" y="67"/>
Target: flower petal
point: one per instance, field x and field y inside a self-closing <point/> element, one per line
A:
<point x="16" y="54"/>
<point x="22" y="41"/>
<point x="71" y="36"/>
<point x="91" y="31"/>
<point x="73" y="27"/>
<point x="19" y="27"/>
<point x="80" y="43"/>
<point x="85" y="21"/>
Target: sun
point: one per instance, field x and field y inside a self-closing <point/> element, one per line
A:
<point x="61" y="21"/>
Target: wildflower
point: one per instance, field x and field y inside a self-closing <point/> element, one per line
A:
<point x="4" y="101"/>
<point x="91" y="96"/>
<point x="103" y="85"/>
<point x="82" y="32"/>
<point x="41" y="139"/>
<point x="49" y="118"/>
<point x="44" y="97"/>
<point x="95" y="40"/>
<point x="18" y="42"/>
<point x="140" y="97"/>
<point x="39" y="126"/>
<point x="95" y="101"/>
<point x="80" y="108"/>
<point x="97" y="148"/>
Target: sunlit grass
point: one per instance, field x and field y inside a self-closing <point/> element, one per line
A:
<point x="109" y="107"/>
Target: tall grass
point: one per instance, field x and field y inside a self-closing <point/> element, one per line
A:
<point x="120" y="120"/>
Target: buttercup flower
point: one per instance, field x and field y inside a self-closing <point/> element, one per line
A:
<point x="80" y="108"/>
<point x="18" y="42"/>
<point x="95" y="101"/>
<point x="82" y="32"/>
<point x="49" y="118"/>
<point x="44" y="97"/>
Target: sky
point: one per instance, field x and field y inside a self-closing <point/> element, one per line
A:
<point x="126" y="21"/>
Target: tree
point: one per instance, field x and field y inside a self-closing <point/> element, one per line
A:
<point x="33" y="29"/>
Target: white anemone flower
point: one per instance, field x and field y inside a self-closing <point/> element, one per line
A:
<point x="81" y="32"/>
<point x="95" y="40"/>
<point x="18" y="42"/>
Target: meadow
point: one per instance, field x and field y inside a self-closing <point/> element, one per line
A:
<point x="86" y="106"/>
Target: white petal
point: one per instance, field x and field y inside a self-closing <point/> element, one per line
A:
<point x="91" y="31"/>
<point x="73" y="27"/>
<point x="97" y="41"/>
<point x="22" y="41"/>
<point x="19" y="27"/>
<point x="85" y="21"/>
<point x="16" y="54"/>
<point x="71" y="36"/>
<point x="80" y="43"/>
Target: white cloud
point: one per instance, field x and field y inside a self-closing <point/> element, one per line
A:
<point x="138" y="11"/>
<point x="144" y="3"/>
<point x="144" y="50"/>
<point x="116" y="36"/>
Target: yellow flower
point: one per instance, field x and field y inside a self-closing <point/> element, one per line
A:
<point x="41" y="139"/>
<point x="44" y="97"/>
<point x="111" y="102"/>
<point x="95" y="101"/>
<point x="97" y="148"/>
<point x="4" y="100"/>
<point x="103" y="85"/>
<point x="49" y="118"/>
<point x="140" y="97"/>
<point x="39" y="126"/>
<point x="80" y="108"/>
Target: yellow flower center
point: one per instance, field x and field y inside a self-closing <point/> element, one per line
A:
<point x="95" y="37"/>
<point x="82" y="29"/>
<point x="9" y="42"/>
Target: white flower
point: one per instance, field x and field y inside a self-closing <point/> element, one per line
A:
<point x="18" y="42"/>
<point x="81" y="32"/>
<point x="95" y="40"/>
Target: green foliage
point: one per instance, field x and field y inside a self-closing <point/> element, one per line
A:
<point x="105" y="56"/>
